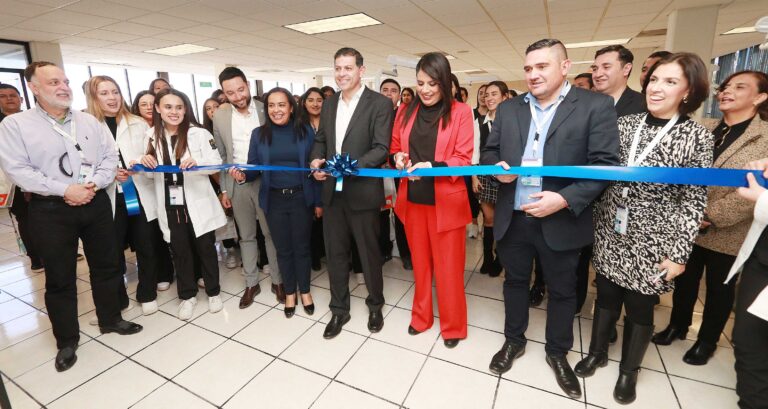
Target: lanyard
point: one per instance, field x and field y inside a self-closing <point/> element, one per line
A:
<point x="72" y="137"/>
<point x="168" y="158"/>
<point x="633" y="160"/>
<point x="540" y="124"/>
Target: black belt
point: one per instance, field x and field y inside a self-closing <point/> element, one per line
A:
<point x="36" y="196"/>
<point x="287" y="191"/>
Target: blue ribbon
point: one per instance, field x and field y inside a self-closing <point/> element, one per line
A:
<point x="131" y="197"/>
<point x="339" y="166"/>
<point x="677" y="176"/>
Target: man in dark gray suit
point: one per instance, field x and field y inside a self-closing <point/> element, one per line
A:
<point x="553" y="124"/>
<point x="357" y="121"/>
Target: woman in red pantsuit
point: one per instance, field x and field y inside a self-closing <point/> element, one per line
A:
<point x="435" y="131"/>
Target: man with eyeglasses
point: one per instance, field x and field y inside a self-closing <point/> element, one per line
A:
<point x="65" y="158"/>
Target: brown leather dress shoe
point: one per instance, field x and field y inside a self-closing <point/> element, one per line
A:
<point x="250" y="293"/>
<point x="279" y="291"/>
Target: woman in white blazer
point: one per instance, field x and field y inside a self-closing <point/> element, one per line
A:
<point x="106" y="103"/>
<point x="187" y="207"/>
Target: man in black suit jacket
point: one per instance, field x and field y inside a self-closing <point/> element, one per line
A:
<point x="610" y="73"/>
<point x="357" y="121"/>
<point x="547" y="217"/>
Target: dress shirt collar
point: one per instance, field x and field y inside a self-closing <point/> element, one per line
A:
<point x="45" y="114"/>
<point x="355" y="97"/>
<point x="563" y="92"/>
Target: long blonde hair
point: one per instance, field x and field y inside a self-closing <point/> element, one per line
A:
<point x="93" y="101"/>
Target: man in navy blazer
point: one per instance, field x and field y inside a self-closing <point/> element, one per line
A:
<point x="547" y="217"/>
<point x="357" y="121"/>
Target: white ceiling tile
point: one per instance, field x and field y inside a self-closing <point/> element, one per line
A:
<point x="628" y="20"/>
<point x="200" y="13"/>
<point x="50" y="26"/>
<point x="152" y="5"/>
<point x="108" y="35"/>
<point x="154" y="43"/>
<point x="88" y="42"/>
<point x="9" y="20"/>
<point x="105" y="9"/>
<point x="14" y="33"/>
<point x="209" y="31"/>
<point x="21" y="8"/>
<point x="133" y="28"/>
<point x="164" y="21"/>
<point x="51" y="3"/>
<point x="78" y="19"/>
<point x="247" y="25"/>
<point x="181" y="37"/>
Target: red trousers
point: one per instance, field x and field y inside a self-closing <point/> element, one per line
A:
<point x="444" y="254"/>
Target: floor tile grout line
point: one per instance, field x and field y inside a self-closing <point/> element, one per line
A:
<point x="11" y="380"/>
<point x="669" y="379"/>
<point x="416" y="378"/>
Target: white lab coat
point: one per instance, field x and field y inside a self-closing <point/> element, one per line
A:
<point x="202" y="204"/>
<point x="131" y="134"/>
<point x="755" y="230"/>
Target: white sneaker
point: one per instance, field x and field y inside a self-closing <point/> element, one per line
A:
<point x="231" y="260"/>
<point x="472" y="231"/>
<point x="149" y="308"/>
<point x="360" y="278"/>
<point x="163" y="286"/>
<point x="201" y="282"/>
<point x="214" y="304"/>
<point x="186" y="308"/>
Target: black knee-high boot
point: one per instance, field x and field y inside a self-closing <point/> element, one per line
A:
<point x="491" y="264"/>
<point x="635" y="343"/>
<point x="604" y="322"/>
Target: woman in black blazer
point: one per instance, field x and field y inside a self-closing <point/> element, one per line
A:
<point x="290" y="199"/>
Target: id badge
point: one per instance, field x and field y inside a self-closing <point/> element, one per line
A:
<point x="86" y="173"/>
<point x="176" y="195"/>
<point x="534" y="181"/>
<point x="621" y="220"/>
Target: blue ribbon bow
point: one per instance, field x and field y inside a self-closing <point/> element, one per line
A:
<point x="339" y="166"/>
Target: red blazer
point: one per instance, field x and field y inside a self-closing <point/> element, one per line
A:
<point x="454" y="147"/>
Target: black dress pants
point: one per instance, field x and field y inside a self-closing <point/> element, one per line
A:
<point x="290" y="221"/>
<point x="719" y="301"/>
<point x="385" y="244"/>
<point x="750" y="338"/>
<point x="150" y="259"/>
<point x="121" y="242"/>
<point x="187" y="250"/>
<point x="341" y="226"/>
<point x="56" y="228"/>
<point x="20" y="209"/>
<point x="522" y="243"/>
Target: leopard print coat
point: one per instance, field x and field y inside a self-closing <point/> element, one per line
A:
<point x="663" y="219"/>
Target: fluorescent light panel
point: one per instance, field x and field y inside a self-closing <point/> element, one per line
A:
<point x="598" y="43"/>
<point x="181" y="49"/>
<point x="740" y="30"/>
<point x="334" y="24"/>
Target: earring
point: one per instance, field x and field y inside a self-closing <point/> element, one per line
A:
<point x="685" y="99"/>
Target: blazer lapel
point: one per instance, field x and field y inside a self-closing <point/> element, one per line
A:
<point x="753" y="131"/>
<point x="330" y="127"/>
<point x="226" y="133"/>
<point x="524" y="122"/>
<point x="358" y="110"/>
<point x="563" y="112"/>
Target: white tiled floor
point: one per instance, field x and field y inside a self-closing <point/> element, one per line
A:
<point x="256" y="358"/>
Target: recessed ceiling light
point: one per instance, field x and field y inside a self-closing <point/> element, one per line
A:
<point x="326" y="25"/>
<point x="181" y="49"/>
<point x="740" y="30"/>
<point x="598" y="43"/>
<point x="317" y="69"/>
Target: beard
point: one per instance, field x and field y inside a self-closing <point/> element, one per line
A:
<point x="55" y="102"/>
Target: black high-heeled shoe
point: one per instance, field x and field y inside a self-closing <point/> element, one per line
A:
<point x="289" y="311"/>
<point x="309" y="308"/>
